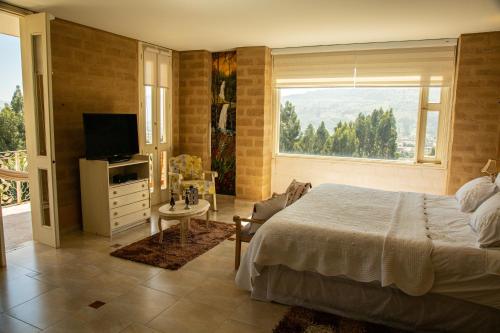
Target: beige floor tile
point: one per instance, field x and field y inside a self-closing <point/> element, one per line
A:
<point x="50" y="307"/>
<point x="142" y="303"/>
<point x="138" y="328"/>
<point x="177" y="283"/>
<point x="20" y="289"/>
<point x="72" y="325"/>
<point x="231" y="326"/>
<point x="218" y="294"/>
<point x="189" y="317"/>
<point x="13" y="325"/>
<point x="261" y="314"/>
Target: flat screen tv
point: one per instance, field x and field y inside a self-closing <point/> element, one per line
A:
<point x="110" y="136"/>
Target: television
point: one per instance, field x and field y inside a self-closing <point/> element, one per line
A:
<point x="110" y="136"/>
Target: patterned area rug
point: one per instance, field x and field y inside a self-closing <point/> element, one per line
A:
<point x="300" y="320"/>
<point x="170" y="254"/>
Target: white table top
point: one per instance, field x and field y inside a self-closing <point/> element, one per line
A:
<point x="202" y="207"/>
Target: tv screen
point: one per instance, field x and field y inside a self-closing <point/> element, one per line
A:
<point x="110" y="136"/>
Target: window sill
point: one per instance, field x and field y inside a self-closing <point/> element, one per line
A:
<point x="368" y="161"/>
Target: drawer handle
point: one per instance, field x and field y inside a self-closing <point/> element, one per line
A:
<point x="115" y="213"/>
<point x="114" y="192"/>
<point x="116" y="223"/>
<point x="115" y="203"/>
<point x="143" y="205"/>
<point x="143" y="214"/>
<point x="143" y="195"/>
<point x="143" y="185"/>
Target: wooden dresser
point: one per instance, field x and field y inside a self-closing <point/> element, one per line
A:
<point x="108" y="207"/>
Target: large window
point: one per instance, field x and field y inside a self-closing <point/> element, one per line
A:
<point x="378" y="123"/>
<point x="379" y="104"/>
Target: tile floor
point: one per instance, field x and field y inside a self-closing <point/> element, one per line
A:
<point x="43" y="289"/>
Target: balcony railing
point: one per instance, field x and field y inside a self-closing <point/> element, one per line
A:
<point x="13" y="191"/>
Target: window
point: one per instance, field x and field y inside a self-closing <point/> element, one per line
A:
<point x="387" y="104"/>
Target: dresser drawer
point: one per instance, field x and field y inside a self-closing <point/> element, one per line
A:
<point x="128" y="199"/>
<point x="119" y="190"/>
<point x="129" y="219"/>
<point x="128" y="209"/>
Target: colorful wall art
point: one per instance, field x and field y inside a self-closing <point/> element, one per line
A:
<point x="224" y="120"/>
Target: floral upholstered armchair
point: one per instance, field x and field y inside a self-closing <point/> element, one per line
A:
<point x="186" y="171"/>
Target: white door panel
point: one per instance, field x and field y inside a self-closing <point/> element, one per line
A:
<point x="37" y="84"/>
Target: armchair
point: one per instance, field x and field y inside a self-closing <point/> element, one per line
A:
<point x="186" y="171"/>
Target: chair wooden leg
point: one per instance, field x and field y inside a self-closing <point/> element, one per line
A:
<point x="214" y="196"/>
<point x="237" y="253"/>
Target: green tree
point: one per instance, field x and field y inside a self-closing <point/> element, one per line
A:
<point x="12" y="131"/>
<point x="321" y="140"/>
<point x="344" y="141"/>
<point x="17" y="102"/>
<point x="306" y="143"/>
<point x="387" y="136"/>
<point x="290" y="130"/>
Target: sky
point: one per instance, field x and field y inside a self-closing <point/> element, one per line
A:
<point x="10" y="66"/>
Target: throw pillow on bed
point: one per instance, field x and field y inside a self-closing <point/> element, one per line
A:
<point x="296" y="190"/>
<point x="474" y="193"/>
<point x="263" y="210"/>
<point x="486" y="222"/>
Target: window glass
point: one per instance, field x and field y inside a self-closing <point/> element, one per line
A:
<point x="434" y="95"/>
<point x="163" y="136"/>
<point x="148" y="109"/>
<point x="377" y="123"/>
<point x="431" y="133"/>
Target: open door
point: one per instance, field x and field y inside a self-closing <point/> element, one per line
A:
<point x="37" y="72"/>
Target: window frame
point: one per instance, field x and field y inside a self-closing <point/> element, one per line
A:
<point x="442" y="140"/>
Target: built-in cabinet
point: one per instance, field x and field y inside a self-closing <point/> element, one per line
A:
<point x="109" y="207"/>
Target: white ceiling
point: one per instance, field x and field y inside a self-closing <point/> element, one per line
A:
<point x="217" y="25"/>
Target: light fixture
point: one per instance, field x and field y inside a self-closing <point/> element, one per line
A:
<point x="490" y="168"/>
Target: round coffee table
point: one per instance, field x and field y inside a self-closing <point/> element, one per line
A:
<point x="183" y="215"/>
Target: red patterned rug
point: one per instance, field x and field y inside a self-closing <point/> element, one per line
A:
<point x="170" y="254"/>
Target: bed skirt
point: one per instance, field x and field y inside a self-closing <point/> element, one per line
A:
<point x="370" y="302"/>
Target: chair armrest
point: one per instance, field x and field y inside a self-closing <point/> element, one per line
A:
<point x="238" y="220"/>
<point x="214" y="174"/>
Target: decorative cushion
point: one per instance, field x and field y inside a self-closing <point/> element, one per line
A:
<point x="474" y="193"/>
<point x="486" y="222"/>
<point x="188" y="166"/>
<point x="296" y="190"/>
<point x="264" y="210"/>
<point x="497" y="181"/>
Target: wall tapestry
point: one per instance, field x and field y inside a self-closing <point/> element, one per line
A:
<point x="224" y="120"/>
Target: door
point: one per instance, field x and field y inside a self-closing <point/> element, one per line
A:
<point x="36" y="63"/>
<point x="155" y="116"/>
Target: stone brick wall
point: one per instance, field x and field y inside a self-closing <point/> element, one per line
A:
<point x="195" y="73"/>
<point x="93" y="71"/>
<point x="476" y="116"/>
<point x="175" y="102"/>
<point x="253" y="123"/>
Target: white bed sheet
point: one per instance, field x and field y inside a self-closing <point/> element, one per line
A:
<point x="461" y="268"/>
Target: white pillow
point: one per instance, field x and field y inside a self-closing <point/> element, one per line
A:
<point x="497" y="181"/>
<point x="474" y="193"/>
<point x="486" y="222"/>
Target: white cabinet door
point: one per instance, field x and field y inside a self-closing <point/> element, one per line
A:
<point x="37" y="73"/>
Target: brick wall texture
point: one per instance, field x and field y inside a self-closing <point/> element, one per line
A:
<point x="476" y="116"/>
<point x="93" y="71"/>
<point x="175" y="102"/>
<point x="195" y="72"/>
<point x="253" y="123"/>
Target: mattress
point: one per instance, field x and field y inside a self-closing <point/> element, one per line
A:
<point x="342" y="231"/>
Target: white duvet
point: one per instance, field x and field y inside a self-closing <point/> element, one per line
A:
<point x="368" y="235"/>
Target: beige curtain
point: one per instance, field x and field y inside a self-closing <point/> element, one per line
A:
<point x="416" y="66"/>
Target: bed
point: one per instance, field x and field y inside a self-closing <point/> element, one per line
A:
<point x="408" y="260"/>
